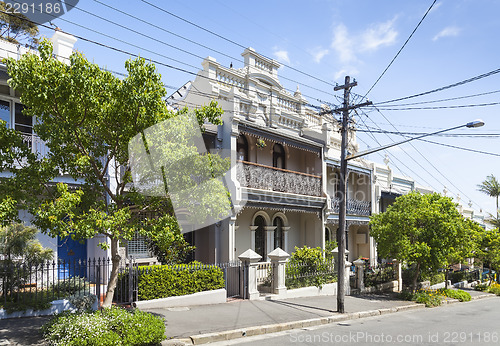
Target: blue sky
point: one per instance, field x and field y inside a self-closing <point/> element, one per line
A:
<point x="327" y="40"/>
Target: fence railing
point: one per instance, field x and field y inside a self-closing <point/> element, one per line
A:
<point x="307" y="274"/>
<point x="24" y="285"/>
<point x="377" y="275"/>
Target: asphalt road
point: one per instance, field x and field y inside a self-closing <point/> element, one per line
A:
<point x="471" y="323"/>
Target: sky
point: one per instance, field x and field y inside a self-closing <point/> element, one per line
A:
<point x="318" y="43"/>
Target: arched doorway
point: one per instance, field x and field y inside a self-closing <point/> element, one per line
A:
<point x="260" y="236"/>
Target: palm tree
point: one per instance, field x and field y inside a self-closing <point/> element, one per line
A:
<point x="491" y="187"/>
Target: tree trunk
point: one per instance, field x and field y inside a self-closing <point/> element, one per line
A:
<point x="446" y="278"/>
<point x="113" y="278"/>
<point x="415" y="278"/>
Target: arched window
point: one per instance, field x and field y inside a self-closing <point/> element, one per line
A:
<point x="242" y="148"/>
<point x="278" y="156"/>
<point x="260" y="236"/>
<point x="328" y="235"/>
<point x="278" y="233"/>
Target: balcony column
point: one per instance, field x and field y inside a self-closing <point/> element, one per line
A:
<point x="285" y="237"/>
<point x="252" y="238"/>
<point x="232" y="239"/>
<point x="269" y="238"/>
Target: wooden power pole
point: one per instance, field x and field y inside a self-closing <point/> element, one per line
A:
<point x="341" y="283"/>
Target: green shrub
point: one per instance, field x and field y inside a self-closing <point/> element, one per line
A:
<point x="307" y="267"/>
<point x="428" y="297"/>
<point x="108" y="327"/>
<point x="409" y="272"/>
<point x="168" y="281"/>
<point x="83" y="301"/>
<point x="70" y="286"/>
<point x="494" y="288"/>
<point x="455" y="294"/>
<point x="379" y="275"/>
<point x="481" y="287"/>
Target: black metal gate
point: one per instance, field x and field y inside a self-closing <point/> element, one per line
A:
<point x="233" y="276"/>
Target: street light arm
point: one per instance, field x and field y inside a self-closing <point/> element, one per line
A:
<point x="476" y="123"/>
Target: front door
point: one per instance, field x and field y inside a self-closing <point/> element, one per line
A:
<point x="72" y="257"/>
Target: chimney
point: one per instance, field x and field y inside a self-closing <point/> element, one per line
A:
<point x="63" y="45"/>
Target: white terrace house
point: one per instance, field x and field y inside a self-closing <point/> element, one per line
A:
<point x="285" y="157"/>
<point x="11" y="112"/>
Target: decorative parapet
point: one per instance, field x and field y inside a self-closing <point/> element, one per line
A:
<point x="257" y="176"/>
<point x="354" y="207"/>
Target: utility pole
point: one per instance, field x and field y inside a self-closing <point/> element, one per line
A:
<point x="343" y="190"/>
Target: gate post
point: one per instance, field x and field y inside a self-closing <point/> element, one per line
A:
<point x="398" y="272"/>
<point x="278" y="262"/>
<point x="360" y="266"/>
<point x="249" y="260"/>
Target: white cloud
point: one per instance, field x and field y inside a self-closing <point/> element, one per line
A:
<point x="447" y="32"/>
<point x="318" y="53"/>
<point x="343" y="44"/>
<point x="376" y="36"/>
<point x="346" y="71"/>
<point x="282" y="55"/>
<point x="379" y="35"/>
<point x="436" y="6"/>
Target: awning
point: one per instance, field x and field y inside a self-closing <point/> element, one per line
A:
<point x="279" y="138"/>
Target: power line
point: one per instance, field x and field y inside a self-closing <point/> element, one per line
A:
<point x="229" y="40"/>
<point x="465" y="81"/>
<point x="441" y="107"/>
<point x="444" y="100"/>
<point x="397" y="54"/>
<point x="184" y="38"/>
<point x="430" y="163"/>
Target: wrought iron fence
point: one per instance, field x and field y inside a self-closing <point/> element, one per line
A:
<point x="34" y="285"/>
<point x="310" y="274"/>
<point x="379" y="274"/>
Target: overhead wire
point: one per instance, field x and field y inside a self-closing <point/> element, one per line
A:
<point x="429" y="162"/>
<point x="404" y="45"/>
<point x="184" y="38"/>
<point x="229" y="40"/>
<point x="449" y="86"/>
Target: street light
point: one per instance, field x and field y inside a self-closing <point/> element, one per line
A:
<point x="342" y="190"/>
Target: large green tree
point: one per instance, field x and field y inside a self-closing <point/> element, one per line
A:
<point x="87" y="118"/>
<point x="488" y="251"/>
<point x="491" y="187"/>
<point x="16" y="27"/>
<point x="423" y="230"/>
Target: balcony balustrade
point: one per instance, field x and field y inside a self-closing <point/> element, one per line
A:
<point x="36" y="144"/>
<point x="354" y="207"/>
<point x="257" y="176"/>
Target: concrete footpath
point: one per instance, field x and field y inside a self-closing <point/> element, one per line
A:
<point x="204" y="324"/>
<point x="238" y="318"/>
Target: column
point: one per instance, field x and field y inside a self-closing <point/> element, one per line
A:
<point x="269" y="238"/>
<point x="285" y="237"/>
<point x="250" y="261"/>
<point x="252" y="239"/>
<point x="232" y="239"/>
<point x="278" y="261"/>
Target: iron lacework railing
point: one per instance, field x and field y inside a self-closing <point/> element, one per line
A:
<point x="354" y="207"/>
<point x="257" y="176"/>
<point x="34" y="285"/>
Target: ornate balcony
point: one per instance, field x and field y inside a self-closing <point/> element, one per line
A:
<point x="354" y="207"/>
<point x="257" y="176"/>
<point x="36" y="144"/>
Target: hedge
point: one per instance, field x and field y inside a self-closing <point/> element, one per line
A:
<point x="163" y="281"/>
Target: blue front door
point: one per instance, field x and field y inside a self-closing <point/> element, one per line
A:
<point x="72" y="257"/>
